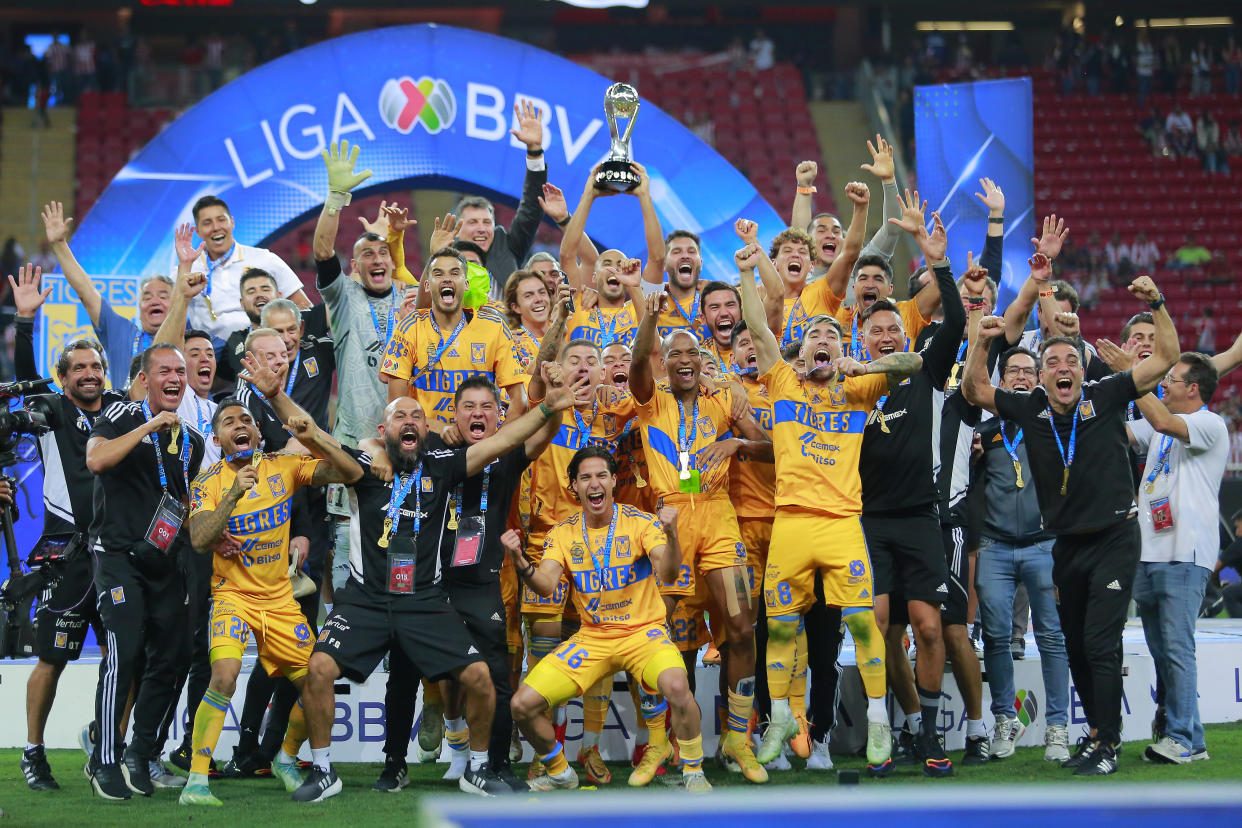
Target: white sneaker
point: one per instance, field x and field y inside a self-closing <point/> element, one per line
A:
<point x="781" y="762"/>
<point x="1056" y="743"/>
<point x="1002" y="738"/>
<point x="820" y="758"/>
<point x="457" y="765"/>
<point x="1169" y="752"/>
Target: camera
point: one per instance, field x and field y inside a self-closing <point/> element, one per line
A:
<point x="30" y="420"/>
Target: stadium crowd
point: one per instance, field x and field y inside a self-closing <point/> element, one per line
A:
<point x="540" y="471"/>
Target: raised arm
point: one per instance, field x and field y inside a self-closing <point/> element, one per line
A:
<point x="767" y="348"/>
<point x="541" y="579"/>
<point x="103" y="453"/>
<point x="28" y="297"/>
<point x="550" y="347"/>
<point x="554" y="207"/>
<point x="521" y="233"/>
<point x="338" y="466"/>
<point x="1165" y="350"/>
<point x="557" y="399"/>
<point x="653" y="270"/>
<point x="206" y="528"/>
<point x="884" y="242"/>
<point x="802" y="210"/>
<point x="57" y="228"/>
<point x="574" y="234"/>
<point x="838" y="275"/>
<point x="342" y="179"/>
<point x="189" y="285"/>
<point x="1229" y="358"/>
<point x="773" y="285"/>
<point x="398" y="222"/>
<point x="642" y="384"/>
<point x="976" y="385"/>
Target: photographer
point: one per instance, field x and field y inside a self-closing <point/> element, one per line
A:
<point x="67" y="601"/>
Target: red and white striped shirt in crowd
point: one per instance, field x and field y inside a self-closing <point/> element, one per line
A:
<point x="57" y="56"/>
<point x="84" y="57"/>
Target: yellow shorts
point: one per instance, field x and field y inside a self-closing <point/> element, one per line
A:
<point x="688" y="627"/>
<point x="281" y="634"/>
<point x="709" y="538"/>
<point x="757" y="537"/>
<point x="552" y="607"/>
<point x="589" y="655"/>
<point x="510" y="594"/>
<point x="804" y="543"/>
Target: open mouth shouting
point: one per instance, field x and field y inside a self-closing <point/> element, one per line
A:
<point x="794" y="269"/>
<point x="377" y="275"/>
<point x="620" y="377"/>
<point x="242" y="440"/>
<point x="685" y="269"/>
<point x="595" y="499"/>
<point x="1144" y="353"/>
<point x="868" y="298"/>
<point x="885" y="348"/>
<point x="408" y="437"/>
<point x="686" y="375"/>
<point x="724" y="328"/>
<point x="828" y="251"/>
<point x="822" y="358"/>
<point x="447" y="294"/>
<point x="170" y="390"/>
<point x="476" y="428"/>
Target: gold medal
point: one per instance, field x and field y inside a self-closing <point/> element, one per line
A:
<point x="1017" y="470"/>
<point x="173" y="446"/>
<point x="883" y="425"/>
<point x="210" y="309"/>
<point x="452" y="521"/>
<point x="638" y="479"/>
<point x="255" y="458"/>
<point x="383" y="539"/>
<point x="957" y="366"/>
<point x="1150" y="487"/>
<point x="1065" y="481"/>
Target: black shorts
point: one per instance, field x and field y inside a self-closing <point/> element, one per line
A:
<point x="907" y="558"/>
<point x="953" y="608"/>
<point x="483" y="609"/>
<point x="428" y="631"/>
<point x="66" y="609"/>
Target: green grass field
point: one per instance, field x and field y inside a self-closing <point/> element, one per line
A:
<point x="253" y="801"/>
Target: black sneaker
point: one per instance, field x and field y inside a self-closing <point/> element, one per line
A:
<point x="935" y="762"/>
<point x="319" y="785"/>
<point x="108" y="781"/>
<point x="180" y="758"/>
<point x="394" y="777"/>
<point x="978" y="751"/>
<point x="1081" y="754"/>
<point x="482" y="781"/>
<point x="904" y="748"/>
<point x="1103" y="761"/>
<point x="137" y="773"/>
<point x="515" y="783"/>
<point x="37" y="771"/>
<point x="246" y="766"/>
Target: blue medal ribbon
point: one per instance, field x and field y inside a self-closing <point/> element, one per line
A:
<point x="213" y="265"/>
<point x="1011" y="448"/>
<point x="584" y="427"/>
<point x="1067" y="458"/>
<point x="1161" y="466"/>
<point x="293" y="373"/>
<point x="244" y="454"/>
<point x="694" y="309"/>
<point x="159" y="453"/>
<point x="609" y="334"/>
<point x="398" y="496"/>
<point x="612" y="529"/>
<point x="683" y="444"/>
<point x="383" y="333"/>
<point x="444" y="345"/>
<point x="142" y="341"/>
<point x="204" y="423"/>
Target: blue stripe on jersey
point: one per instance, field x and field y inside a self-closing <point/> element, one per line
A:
<point x="837" y="422"/>
<point x="256" y="522"/>
<point x="567" y="436"/>
<point x="614" y="577"/>
<point x="664" y="446"/>
<point x="446" y="382"/>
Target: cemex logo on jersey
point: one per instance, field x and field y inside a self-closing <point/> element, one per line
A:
<point x="405" y="103"/>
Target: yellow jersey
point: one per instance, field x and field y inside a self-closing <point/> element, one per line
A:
<point x="604" y="326"/>
<point x="525" y="347"/>
<point x="436" y="362"/>
<point x="723" y="355"/>
<point x="602" y="425"/>
<point x="631" y="468"/>
<point x="817" y="436"/>
<point x="683" y="317"/>
<point x="260" y="520"/>
<point x="752" y="483"/>
<point x="615" y="591"/>
<point x="664" y="423"/>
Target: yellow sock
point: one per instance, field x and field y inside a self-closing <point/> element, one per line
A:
<point x="595" y="705"/>
<point x="208" y="723"/>
<point x="691" y="753"/>
<point x="868" y="650"/>
<point x="431" y="694"/>
<point x="741" y="704"/>
<point x="654" y="710"/>
<point x="797" y="685"/>
<point x="555" y="761"/>
<point x="295" y="735"/>
<point x="458" y="739"/>
<point x="638" y="705"/>
<point x="782" y="649"/>
<point x="722" y="713"/>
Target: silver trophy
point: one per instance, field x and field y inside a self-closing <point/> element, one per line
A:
<point x="615" y="173"/>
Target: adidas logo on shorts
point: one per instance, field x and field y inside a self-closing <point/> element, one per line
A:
<point x="1114" y="585"/>
<point x="942" y="588"/>
<point x="496" y="617"/>
<point x="472" y="650"/>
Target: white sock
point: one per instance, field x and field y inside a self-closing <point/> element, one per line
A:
<point x="914" y="722"/>
<point x="478" y="758"/>
<point x="196" y="779"/>
<point x="781" y="709"/>
<point x="321" y="758"/>
<point x="974" y="727"/>
<point x="455" y="725"/>
<point x="31" y="746"/>
<point x="285" y="758"/>
<point x="877" y="711"/>
<point x="589" y="739"/>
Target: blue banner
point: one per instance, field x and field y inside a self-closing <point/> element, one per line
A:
<point x="968" y="131"/>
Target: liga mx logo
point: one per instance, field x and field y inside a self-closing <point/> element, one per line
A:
<point x="405" y="103"/>
<point x="1026" y="707"/>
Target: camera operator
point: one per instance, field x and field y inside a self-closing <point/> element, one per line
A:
<point x="67" y="602"/>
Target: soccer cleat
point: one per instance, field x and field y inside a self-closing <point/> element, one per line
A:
<point x="800" y="744"/>
<point x="711" y="656"/>
<point x="1017" y="648"/>
<point x="1082" y="753"/>
<point x="637" y="758"/>
<point x="565" y="780"/>
<point x="197" y="795"/>
<point x="1168" y="751"/>
<point x="593" y="766"/>
<point x="534" y="770"/>
<point x="738" y="748"/>
<point x="653" y="759"/>
<point x="245" y="766"/>
<point x="37" y="771"/>
<point x="1002" y="738"/>
<point x="458" y="760"/>
<point x="879" y="749"/>
<point x="87" y="737"/>
<point x="781" y="728"/>
<point x="292" y="777"/>
<point x="162" y="777"/>
<point x="977" y="752"/>
<point x="695" y="782"/>
<point x="137" y="773"/>
<point x="482" y="781"/>
<point x="820" y="758"/>
<point x="430" y="732"/>
<point x="108" y="782"/>
<point x="394" y="777"/>
<point x="509" y="778"/>
<point x="724" y="761"/>
<point x="935" y="763"/>
<point x="319" y="785"/>
<point x="1056" y="744"/>
<point x="1101" y="762"/>
<point x="180" y="758"/>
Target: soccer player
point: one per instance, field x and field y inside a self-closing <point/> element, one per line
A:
<point x="1086" y="496"/>
<point x="722" y="311"/>
<point x="240" y="513"/>
<point x="528" y="311"/>
<point x="683" y="262"/>
<point x="395" y="595"/>
<point x="816" y="420"/>
<point x="610" y="554"/>
<point x="678" y="421"/>
<point x="434" y="350"/>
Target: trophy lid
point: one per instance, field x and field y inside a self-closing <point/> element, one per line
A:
<point x="621" y="99"/>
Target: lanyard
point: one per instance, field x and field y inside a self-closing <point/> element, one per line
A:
<point x="213" y="265"/>
<point x="787" y="338"/>
<point x="612" y="529"/>
<point x="159" y="453"/>
<point x="461" y="487"/>
<point x="694" y="309"/>
<point x="529" y="356"/>
<point x="584" y="427"/>
<point x="293" y="372"/>
<point x="856" y="348"/>
<point x="239" y="455"/>
<point x="1067" y="459"/>
<point x="1012" y="448"/>
<point x="204" y="423"/>
<point x="444" y="345"/>
<point x="382" y="334"/>
<point x="607" y="335"/>
<point x="1130" y="412"/>
<point x="142" y="341"/>
<point x="1161" y="466"/>
<point x="398" y="496"/>
<point x="684" y="445"/>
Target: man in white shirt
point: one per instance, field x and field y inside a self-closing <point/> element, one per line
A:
<point x="218" y="309"/>
<point x="1179" y="509"/>
<point x="1144" y="253"/>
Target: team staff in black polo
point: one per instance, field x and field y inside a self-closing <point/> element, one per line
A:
<point x="1080" y="467"/>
